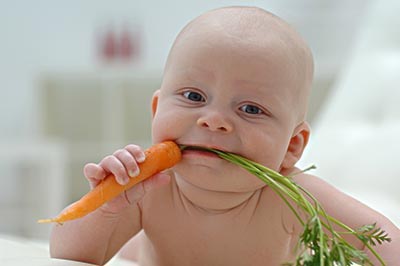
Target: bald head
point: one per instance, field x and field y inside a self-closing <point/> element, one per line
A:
<point x="255" y="27"/>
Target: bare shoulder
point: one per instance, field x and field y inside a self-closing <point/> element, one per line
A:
<point x="316" y="185"/>
<point x="340" y="205"/>
<point x="331" y="198"/>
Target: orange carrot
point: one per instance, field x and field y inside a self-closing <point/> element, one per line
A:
<point x="159" y="157"/>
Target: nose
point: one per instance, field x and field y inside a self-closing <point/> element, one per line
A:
<point x="215" y="121"/>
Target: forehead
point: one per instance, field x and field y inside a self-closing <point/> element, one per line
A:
<point x="206" y="53"/>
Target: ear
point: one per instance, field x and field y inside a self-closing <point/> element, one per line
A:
<point x="154" y="102"/>
<point x="297" y="144"/>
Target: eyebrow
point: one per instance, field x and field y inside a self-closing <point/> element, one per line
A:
<point x="194" y="72"/>
<point x="258" y="87"/>
<point x="252" y="83"/>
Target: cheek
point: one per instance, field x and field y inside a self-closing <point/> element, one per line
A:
<point x="159" y="130"/>
<point x="165" y="126"/>
<point x="269" y="149"/>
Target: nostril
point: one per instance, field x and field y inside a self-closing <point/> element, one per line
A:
<point x="214" y="124"/>
<point x="204" y="124"/>
<point x="213" y="128"/>
<point x="222" y="129"/>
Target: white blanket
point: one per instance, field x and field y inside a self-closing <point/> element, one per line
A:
<point x="16" y="251"/>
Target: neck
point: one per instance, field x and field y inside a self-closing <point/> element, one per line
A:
<point x="209" y="200"/>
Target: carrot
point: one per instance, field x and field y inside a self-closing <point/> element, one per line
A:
<point x="159" y="157"/>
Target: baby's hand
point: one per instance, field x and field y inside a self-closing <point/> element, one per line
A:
<point x="123" y="164"/>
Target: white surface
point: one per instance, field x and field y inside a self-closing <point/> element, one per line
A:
<point x="15" y="251"/>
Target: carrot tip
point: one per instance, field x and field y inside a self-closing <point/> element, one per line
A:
<point x="44" y="221"/>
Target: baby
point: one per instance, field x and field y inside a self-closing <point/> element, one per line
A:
<point x="236" y="79"/>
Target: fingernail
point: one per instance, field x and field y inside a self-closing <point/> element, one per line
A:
<point x="141" y="158"/>
<point x="133" y="173"/>
<point x="123" y="181"/>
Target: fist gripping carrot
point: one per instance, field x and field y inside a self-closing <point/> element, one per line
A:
<point x="109" y="179"/>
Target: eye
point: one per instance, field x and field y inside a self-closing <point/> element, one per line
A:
<point x="251" y="109"/>
<point x="193" y="96"/>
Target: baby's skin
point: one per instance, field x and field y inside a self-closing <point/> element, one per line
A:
<point x="236" y="79"/>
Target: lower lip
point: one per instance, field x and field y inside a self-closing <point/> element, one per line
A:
<point x="199" y="153"/>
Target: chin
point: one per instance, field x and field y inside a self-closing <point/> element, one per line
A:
<point x="206" y="178"/>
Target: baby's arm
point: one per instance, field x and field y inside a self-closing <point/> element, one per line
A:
<point x="96" y="237"/>
<point x="354" y="214"/>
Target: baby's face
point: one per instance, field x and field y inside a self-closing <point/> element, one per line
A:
<point x="221" y="92"/>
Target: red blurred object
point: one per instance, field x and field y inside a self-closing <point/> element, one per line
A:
<point x="125" y="45"/>
<point x="109" y="46"/>
<point x="121" y="46"/>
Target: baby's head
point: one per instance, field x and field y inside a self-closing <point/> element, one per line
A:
<point x="237" y="78"/>
<point x="254" y="32"/>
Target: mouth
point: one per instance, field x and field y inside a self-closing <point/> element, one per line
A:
<point x="201" y="147"/>
<point x="201" y="150"/>
<point x="187" y="148"/>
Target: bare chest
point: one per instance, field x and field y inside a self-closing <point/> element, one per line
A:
<point x="176" y="234"/>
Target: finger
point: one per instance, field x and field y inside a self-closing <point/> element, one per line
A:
<point x="137" y="192"/>
<point x="136" y="152"/>
<point x="94" y="174"/>
<point x="94" y="171"/>
<point x="114" y="166"/>
<point x="128" y="161"/>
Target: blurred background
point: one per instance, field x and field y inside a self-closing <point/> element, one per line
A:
<point x="77" y="78"/>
